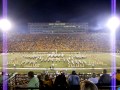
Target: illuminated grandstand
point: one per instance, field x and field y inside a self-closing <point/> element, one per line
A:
<point x="62" y="42"/>
<point x="57" y="27"/>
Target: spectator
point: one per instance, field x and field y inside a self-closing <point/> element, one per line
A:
<point x="93" y="79"/>
<point x="118" y="77"/>
<point x="47" y="83"/>
<point x="60" y="82"/>
<point x="87" y="85"/>
<point x="33" y="81"/>
<point x="74" y="81"/>
<point x="40" y="82"/>
<point x="105" y="79"/>
<point x="3" y="77"/>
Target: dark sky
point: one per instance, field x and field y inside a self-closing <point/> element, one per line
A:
<point x="23" y="11"/>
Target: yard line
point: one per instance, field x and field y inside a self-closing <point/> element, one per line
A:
<point x="58" y="68"/>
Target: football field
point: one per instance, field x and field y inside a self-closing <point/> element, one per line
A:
<point x="84" y="62"/>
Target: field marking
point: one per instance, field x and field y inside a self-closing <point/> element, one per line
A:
<point x="116" y="55"/>
<point x="58" y="68"/>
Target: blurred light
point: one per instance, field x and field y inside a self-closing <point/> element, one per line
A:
<point x="113" y="23"/>
<point x="5" y="25"/>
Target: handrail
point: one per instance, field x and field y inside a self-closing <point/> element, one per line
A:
<point x="13" y="75"/>
<point x="31" y="88"/>
<point x="107" y="87"/>
<point x="26" y="88"/>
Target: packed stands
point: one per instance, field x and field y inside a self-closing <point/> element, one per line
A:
<point x="98" y="42"/>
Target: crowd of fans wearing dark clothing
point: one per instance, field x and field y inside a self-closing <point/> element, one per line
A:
<point x="70" y="82"/>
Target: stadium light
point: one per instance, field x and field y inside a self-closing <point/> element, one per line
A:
<point x="113" y="23"/>
<point x="5" y="25"/>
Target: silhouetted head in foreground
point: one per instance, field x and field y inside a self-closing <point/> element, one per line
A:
<point x="30" y="74"/>
<point x="73" y="73"/>
<point x="104" y="71"/>
<point x="118" y="70"/>
<point x="87" y="85"/>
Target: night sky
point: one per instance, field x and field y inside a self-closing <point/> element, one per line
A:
<point x="92" y="11"/>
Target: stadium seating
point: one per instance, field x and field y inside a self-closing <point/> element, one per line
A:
<point x="98" y="42"/>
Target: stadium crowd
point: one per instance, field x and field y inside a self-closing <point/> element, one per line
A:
<point x="64" y="81"/>
<point x="62" y="42"/>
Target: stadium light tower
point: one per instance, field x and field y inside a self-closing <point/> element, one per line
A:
<point x="113" y="23"/>
<point x="5" y="25"/>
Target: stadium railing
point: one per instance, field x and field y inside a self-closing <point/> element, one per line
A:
<point x="32" y="88"/>
<point x="106" y="87"/>
<point x="26" y="88"/>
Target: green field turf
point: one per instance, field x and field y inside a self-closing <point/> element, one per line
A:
<point x="45" y="61"/>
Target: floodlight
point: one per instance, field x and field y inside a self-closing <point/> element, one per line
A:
<point x="5" y="24"/>
<point x="113" y="23"/>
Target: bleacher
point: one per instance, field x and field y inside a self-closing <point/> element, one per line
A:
<point x="83" y="41"/>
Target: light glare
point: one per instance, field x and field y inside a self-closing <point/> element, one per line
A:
<point x="5" y="24"/>
<point x="113" y="23"/>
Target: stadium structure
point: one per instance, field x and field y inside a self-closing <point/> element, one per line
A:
<point x="57" y="27"/>
<point x="60" y="46"/>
